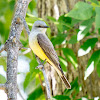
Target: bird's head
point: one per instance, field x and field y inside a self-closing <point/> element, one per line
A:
<point x="40" y="26"/>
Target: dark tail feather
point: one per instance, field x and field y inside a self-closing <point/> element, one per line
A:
<point x="67" y="84"/>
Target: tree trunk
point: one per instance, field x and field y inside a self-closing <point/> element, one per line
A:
<point x="12" y="47"/>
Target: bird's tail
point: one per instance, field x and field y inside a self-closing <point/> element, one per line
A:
<point x="63" y="78"/>
<point x="65" y="81"/>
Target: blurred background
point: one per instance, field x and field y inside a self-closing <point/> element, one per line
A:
<point x="75" y="33"/>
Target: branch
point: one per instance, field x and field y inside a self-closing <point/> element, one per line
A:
<point x="41" y="82"/>
<point x="25" y="25"/>
<point x="27" y="50"/>
<point x="41" y="67"/>
<point x="2" y="49"/>
<point x="12" y="47"/>
<point x="2" y="56"/>
<point x="2" y="87"/>
<point x="20" y="94"/>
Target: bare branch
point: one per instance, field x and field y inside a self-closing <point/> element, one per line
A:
<point x="12" y="47"/>
<point x="26" y="26"/>
<point x="20" y="94"/>
<point x="2" y="49"/>
<point x="41" y="67"/>
<point x="2" y="56"/>
<point x="41" y="83"/>
<point x="2" y="87"/>
<point x="24" y="48"/>
<point x="25" y="52"/>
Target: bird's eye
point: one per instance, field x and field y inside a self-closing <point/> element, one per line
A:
<point x="39" y="26"/>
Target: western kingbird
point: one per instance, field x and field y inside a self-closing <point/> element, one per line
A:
<point x="43" y="48"/>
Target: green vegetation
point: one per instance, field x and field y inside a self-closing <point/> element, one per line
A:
<point x="83" y="15"/>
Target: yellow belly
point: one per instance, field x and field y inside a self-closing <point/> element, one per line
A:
<point x="39" y="52"/>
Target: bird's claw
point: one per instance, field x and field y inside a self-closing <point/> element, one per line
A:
<point x="40" y="66"/>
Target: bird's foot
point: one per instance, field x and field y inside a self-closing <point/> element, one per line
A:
<point x="40" y="66"/>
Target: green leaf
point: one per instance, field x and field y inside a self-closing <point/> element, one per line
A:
<point x="63" y="63"/>
<point x="58" y="39"/>
<point x="73" y="39"/>
<point x="36" y="94"/>
<point x="32" y="5"/>
<point x="74" y="88"/>
<point x="89" y="43"/>
<point x="3" y="6"/>
<point x="94" y="1"/>
<point x="97" y="18"/>
<point x="69" y="54"/>
<point x="74" y="22"/>
<point x="33" y="65"/>
<point x="84" y="28"/>
<point x="98" y="69"/>
<point x="11" y="4"/>
<point x="64" y="23"/>
<point x="81" y="11"/>
<point x="65" y="20"/>
<point x="87" y="46"/>
<point x="3" y="63"/>
<point x="93" y="61"/>
<point x="27" y="80"/>
<point x="51" y="18"/>
<point x="30" y="19"/>
<point x="32" y="74"/>
<point x="2" y="79"/>
<point x="95" y="57"/>
<point x="62" y="97"/>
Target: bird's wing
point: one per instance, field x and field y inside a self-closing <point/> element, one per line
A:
<point x="48" y="49"/>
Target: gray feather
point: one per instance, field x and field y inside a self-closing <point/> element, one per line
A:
<point x="48" y="49"/>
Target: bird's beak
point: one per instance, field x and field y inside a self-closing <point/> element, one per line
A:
<point x="45" y="27"/>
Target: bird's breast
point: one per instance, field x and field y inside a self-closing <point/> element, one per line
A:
<point x="33" y="43"/>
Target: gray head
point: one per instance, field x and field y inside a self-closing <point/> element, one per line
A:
<point x="39" y="26"/>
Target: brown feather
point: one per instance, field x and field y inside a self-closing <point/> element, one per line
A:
<point x="48" y="49"/>
<point x="67" y="84"/>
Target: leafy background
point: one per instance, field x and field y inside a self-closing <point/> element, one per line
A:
<point x="84" y="15"/>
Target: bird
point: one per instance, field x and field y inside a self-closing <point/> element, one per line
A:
<point x="44" y="49"/>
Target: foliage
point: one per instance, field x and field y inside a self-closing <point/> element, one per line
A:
<point x="84" y="15"/>
<point x="81" y="11"/>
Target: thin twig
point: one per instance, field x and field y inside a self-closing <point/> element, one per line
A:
<point x="90" y="37"/>
<point x="20" y="94"/>
<point x="2" y="49"/>
<point x="41" y="82"/>
<point x="2" y="87"/>
<point x="2" y="56"/>
<point x="41" y="67"/>
<point x="47" y="83"/>
<point x="24" y="48"/>
<point x="27" y="50"/>
<point x="25" y="25"/>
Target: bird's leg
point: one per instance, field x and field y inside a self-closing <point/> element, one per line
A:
<point x="41" y="67"/>
<point x="44" y="61"/>
<point x="39" y="62"/>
